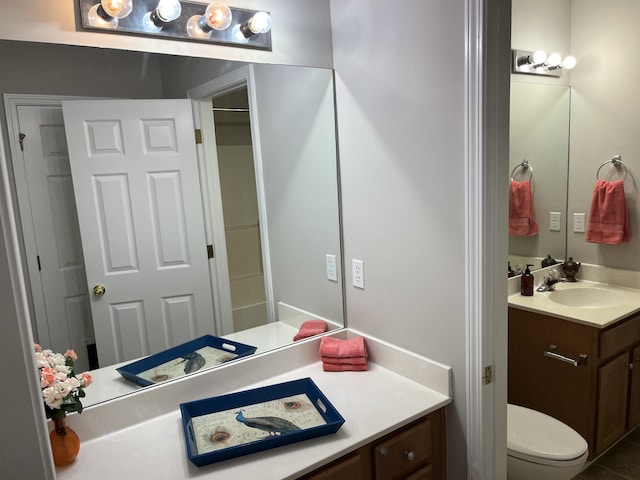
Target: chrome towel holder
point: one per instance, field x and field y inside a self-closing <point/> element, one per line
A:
<point x="524" y="164"/>
<point x="617" y="163"/>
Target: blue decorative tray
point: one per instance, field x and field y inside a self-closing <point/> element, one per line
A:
<point x="190" y="357"/>
<point x="229" y="426"/>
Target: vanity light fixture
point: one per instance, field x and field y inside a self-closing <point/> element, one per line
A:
<point x="538" y="63"/>
<point x="184" y="20"/>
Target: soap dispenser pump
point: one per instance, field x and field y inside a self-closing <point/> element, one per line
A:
<point x="526" y="282"/>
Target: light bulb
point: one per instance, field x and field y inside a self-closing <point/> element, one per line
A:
<point x="117" y="8"/>
<point x="168" y="10"/>
<point x="538" y="57"/>
<point x="217" y="16"/>
<point x="554" y="60"/>
<point x="569" y="62"/>
<point x="100" y="19"/>
<point x="259" y="23"/>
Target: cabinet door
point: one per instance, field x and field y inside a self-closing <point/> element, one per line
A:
<point x="353" y="467"/>
<point x="634" y="390"/>
<point x="403" y="453"/>
<point x="612" y="401"/>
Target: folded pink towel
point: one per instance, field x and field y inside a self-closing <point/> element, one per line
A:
<point x="522" y="218"/>
<point x="310" y="328"/>
<point x="346" y="360"/>
<point x="337" y="348"/>
<point x="608" y="219"/>
<point x="332" y="367"/>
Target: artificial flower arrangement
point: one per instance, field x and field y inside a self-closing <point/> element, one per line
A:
<point x="61" y="389"/>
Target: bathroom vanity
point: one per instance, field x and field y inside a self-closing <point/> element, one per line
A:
<point x="576" y="362"/>
<point x="394" y="422"/>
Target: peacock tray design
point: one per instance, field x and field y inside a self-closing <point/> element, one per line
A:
<point x="190" y="357"/>
<point x="229" y="426"/>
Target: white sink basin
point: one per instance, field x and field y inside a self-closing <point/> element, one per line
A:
<point x="583" y="297"/>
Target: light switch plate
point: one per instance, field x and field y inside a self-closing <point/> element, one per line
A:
<point x="579" y="222"/>
<point x="332" y="269"/>
<point x="554" y="221"/>
<point x="357" y="273"/>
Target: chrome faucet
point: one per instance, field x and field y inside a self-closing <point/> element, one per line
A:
<point x="549" y="283"/>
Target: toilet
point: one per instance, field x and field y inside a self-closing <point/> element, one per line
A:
<point x="542" y="447"/>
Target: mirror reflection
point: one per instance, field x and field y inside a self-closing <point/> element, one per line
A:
<point x="261" y="198"/>
<point x="539" y="154"/>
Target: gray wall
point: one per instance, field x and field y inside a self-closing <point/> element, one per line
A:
<point x="401" y="128"/>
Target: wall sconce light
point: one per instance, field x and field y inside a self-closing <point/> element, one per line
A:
<point x="538" y="63"/>
<point x="178" y="20"/>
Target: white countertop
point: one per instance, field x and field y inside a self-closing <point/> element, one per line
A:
<point x="143" y="436"/>
<point x="596" y="317"/>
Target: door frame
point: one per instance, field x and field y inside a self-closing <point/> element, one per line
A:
<point x="201" y="97"/>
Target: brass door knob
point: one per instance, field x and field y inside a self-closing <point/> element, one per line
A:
<point x="99" y="290"/>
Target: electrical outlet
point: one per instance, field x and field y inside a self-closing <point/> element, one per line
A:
<point x="357" y="273"/>
<point x="554" y="221"/>
<point x="579" y="222"/>
<point x="332" y="269"/>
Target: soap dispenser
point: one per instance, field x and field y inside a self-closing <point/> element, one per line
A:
<point x="526" y="282"/>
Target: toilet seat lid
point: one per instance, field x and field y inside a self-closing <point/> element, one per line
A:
<point x="534" y="434"/>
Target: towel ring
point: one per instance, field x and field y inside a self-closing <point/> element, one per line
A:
<point x="525" y="166"/>
<point x="616" y="162"/>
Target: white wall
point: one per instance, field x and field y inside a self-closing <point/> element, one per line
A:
<point x="605" y="108"/>
<point x="400" y="103"/>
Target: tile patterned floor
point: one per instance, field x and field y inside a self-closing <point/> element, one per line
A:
<point x="621" y="462"/>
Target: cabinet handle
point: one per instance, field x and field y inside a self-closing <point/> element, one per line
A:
<point x="551" y="353"/>
<point x="409" y="456"/>
<point x="384" y="451"/>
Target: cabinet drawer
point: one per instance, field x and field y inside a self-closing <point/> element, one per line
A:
<point x="352" y="467"/>
<point x="620" y="337"/>
<point x="404" y="453"/>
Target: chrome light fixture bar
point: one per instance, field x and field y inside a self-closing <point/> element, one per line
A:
<point x="538" y="63"/>
<point x="214" y="23"/>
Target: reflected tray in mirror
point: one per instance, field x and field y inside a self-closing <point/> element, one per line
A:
<point x="229" y="426"/>
<point x="190" y="357"/>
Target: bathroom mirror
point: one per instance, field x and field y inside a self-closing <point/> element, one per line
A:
<point x="539" y="135"/>
<point x="297" y="181"/>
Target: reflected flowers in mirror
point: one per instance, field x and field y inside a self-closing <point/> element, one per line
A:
<point x="61" y="388"/>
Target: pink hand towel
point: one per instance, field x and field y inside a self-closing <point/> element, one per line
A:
<point x="522" y="218"/>
<point x="337" y="348"/>
<point x="345" y="361"/>
<point x="310" y="328"/>
<point x="608" y="219"/>
<point x="332" y="367"/>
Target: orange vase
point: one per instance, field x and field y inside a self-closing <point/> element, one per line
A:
<point x="65" y="443"/>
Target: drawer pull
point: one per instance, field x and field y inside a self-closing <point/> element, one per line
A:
<point x="409" y="456"/>
<point x="551" y="353"/>
<point x="384" y="451"/>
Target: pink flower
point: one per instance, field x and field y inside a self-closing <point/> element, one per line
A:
<point x="71" y="354"/>
<point x="47" y="377"/>
<point x="37" y="347"/>
<point x="86" y="379"/>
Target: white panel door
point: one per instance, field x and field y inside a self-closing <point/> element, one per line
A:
<point x="57" y="274"/>
<point x="135" y="178"/>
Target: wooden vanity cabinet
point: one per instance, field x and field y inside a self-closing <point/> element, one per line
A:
<point x="599" y="398"/>
<point x="413" y="452"/>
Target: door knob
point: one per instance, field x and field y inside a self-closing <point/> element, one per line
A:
<point x="99" y="290"/>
